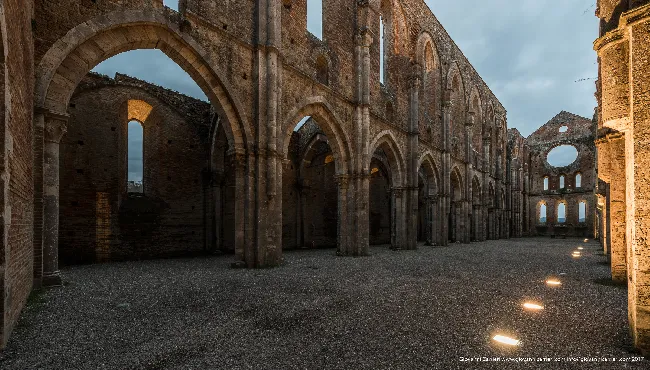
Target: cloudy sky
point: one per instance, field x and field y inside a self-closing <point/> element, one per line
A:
<point x="536" y="55"/>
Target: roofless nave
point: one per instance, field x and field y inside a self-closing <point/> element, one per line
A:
<point x="424" y="155"/>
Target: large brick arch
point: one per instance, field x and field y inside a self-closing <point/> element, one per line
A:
<point x="318" y="108"/>
<point x="90" y="43"/>
<point x="428" y="164"/>
<point x="386" y="141"/>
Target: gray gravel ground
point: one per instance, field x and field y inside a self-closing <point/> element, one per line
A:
<point x="427" y="309"/>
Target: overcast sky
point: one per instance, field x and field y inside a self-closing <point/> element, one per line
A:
<point x="529" y="52"/>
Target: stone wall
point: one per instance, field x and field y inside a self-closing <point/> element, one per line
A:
<point x="17" y="256"/>
<point x="99" y="219"/>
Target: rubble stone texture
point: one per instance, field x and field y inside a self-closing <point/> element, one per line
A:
<point x="624" y="151"/>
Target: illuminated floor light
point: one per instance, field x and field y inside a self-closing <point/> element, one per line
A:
<point x="506" y="340"/>
<point x="580" y="248"/>
<point x="533" y="306"/>
<point x="586" y="240"/>
<point x="553" y="282"/>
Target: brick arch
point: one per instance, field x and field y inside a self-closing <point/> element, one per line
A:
<point x="427" y="163"/>
<point x="90" y="43"/>
<point x="476" y="191"/>
<point x="386" y="141"/>
<point x="456" y="181"/>
<point x="425" y="40"/>
<point x="454" y="71"/>
<point x="320" y="111"/>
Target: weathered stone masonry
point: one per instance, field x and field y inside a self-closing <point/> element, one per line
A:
<point x="579" y="177"/>
<point x="422" y="157"/>
<point x="624" y="151"/>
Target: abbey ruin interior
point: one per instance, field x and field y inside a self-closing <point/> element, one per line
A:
<point x="305" y="143"/>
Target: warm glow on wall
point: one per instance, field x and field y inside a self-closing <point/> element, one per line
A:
<point x="374" y="170"/>
<point x="138" y="110"/>
<point x="329" y="159"/>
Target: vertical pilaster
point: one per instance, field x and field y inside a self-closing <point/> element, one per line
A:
<point x="446" y="167"/>
<point x="55" y="128"/>
<point x="411" y="206"/>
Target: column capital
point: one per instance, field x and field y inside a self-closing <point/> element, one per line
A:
<point x="55" y="128"/>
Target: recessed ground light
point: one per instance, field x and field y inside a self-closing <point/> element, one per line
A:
<point x="586" y="240"/>
<point x="553" y="282"/>
<point x="506" y="340"/>
<point x="533" y="306"/>
<point x="576" y="254"/>
<point x="580" y="248"/>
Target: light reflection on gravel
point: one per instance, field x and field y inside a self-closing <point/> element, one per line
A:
<point x="434" y="308"/>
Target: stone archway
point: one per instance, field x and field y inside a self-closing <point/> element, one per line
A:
<point x="430" y="207"/>
<point x="385" y="148"/>
<point x="476" y="222"/>
<point x="455" y="212"/>
<point x="73" y="56"/>
<point x="317" y="109"/>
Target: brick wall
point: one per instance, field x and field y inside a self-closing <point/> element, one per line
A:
<point x="17" y="196"/>
<point x="99" y="220"/>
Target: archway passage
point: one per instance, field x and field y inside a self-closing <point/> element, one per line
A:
<point x="70" y="59"/>
<point x="429" y="230"/>
<point x="310" y="192"/>
<point x="455" y="211"/>
<point x="380" y="218"/>
<point x="476" y="221"/>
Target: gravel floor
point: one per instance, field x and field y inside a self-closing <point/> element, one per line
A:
<point x="434" y="308"/>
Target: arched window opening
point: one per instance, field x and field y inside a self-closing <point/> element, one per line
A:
<point x="173" y="4"/>
<point x="582" y="211"/>
<point x="561" y="213"/>
<point x="382" y="43"/>
<point x="545" y="182"/>
<point x="135" y="157"/>
<point x="562" y="182"/>
<point x="578" y="180"/>
<point x="315" y="18"/>
<point x="322" y="70"/>
<point x="542" y="213"/>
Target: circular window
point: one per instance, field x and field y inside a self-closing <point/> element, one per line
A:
<point x="564" y="129"/>
<point x="562" y="156"/>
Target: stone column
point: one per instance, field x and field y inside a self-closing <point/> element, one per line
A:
<point x="446" y="167"/>
<point x="398" y="220"/>
<point x="617" y="208"/>
<point x="55" y="128"/>
<point x="411" y="208"/>
<point x="217" y="184"/>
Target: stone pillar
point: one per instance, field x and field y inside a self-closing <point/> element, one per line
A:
<point x="398" y="219"/>
<point x="446" y="167"/>
<point x="617" y="208"/>
<point x="55" y="128"/>
<point x="411" y="206"/>
<point x="217" y="203"/>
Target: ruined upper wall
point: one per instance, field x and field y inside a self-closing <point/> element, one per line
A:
<point x="194" y="110"/>
<point x="609" y="12"/>
<point x="578" y="128"/>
